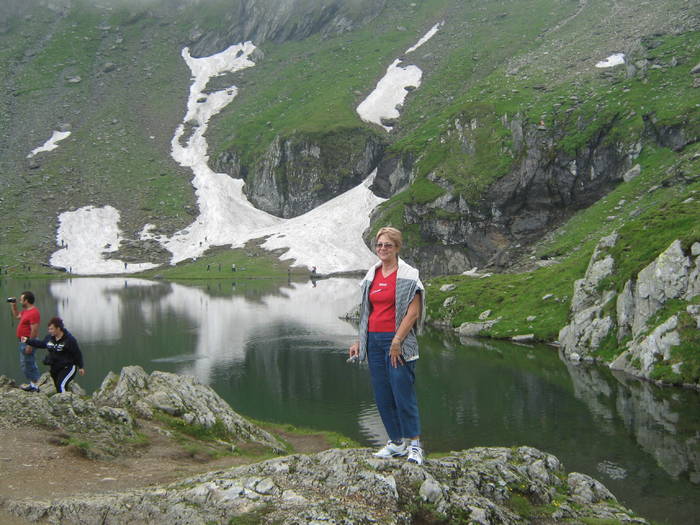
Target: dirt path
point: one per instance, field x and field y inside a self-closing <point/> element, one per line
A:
<point x="35" y="464"/>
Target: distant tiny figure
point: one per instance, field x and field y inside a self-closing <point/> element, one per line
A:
<point x="125" y="265"/>
<point x="313" y="270"/>
<point x="208" y="267"/>
<point x="64" y="356"/>
<point x="233" y="267"/>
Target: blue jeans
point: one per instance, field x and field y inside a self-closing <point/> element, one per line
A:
<point x="394" y="392"/>
<point x="28" y="364"/>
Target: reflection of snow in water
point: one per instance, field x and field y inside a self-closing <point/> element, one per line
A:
<point x="93" y="308"/>
<point x="226" y="325"/>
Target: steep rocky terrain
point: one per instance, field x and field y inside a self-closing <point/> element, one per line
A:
<point x="512" y="130"/>
<point x="484" y="485"/>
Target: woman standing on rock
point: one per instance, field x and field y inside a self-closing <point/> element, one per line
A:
<point x="391" y="312"/>
<point x="65" y="357"/>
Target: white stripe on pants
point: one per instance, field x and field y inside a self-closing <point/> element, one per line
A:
<point x="69" y="376"/>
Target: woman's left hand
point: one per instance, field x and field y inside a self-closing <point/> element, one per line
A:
<point x="395" y="353"/>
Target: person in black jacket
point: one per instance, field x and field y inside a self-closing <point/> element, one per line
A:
<point x="64" y="358"/>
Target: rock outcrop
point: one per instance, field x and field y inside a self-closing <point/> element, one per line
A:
<point x="629" y="319"/>
<point x="544" y="182"/>
<point x="108" y="420"/>
<point x="298" y="173"/>
<point x="481" y="485"/>
<point x="106" y="428"/>
<point x="282" y="20"/>
<point x="178" y="396"/>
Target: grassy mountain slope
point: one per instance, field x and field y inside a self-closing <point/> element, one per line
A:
<point x="490" y="62"/>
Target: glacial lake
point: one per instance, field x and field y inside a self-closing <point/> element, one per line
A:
<point x="276" y="351"/>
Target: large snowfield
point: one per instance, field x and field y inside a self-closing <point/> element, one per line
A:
<point x="328" y="237"/>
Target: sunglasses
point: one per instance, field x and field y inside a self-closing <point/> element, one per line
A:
<point x="383" y="245"/>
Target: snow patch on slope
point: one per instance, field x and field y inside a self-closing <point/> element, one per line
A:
<point x="226" y="216"/>
<point x="612" y="61"/>
<point x="382" y="105"/>
<point x="431" y="32"/>
<point x="86" y="236"/>
<point x="329" y="236"/>
<point x="50" y="144"/>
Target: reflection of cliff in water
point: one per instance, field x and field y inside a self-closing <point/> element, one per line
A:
<point x="665" y="422"/>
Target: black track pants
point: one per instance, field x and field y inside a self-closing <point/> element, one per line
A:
<point x="63" y="376"/>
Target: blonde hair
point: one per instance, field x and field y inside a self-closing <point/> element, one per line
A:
<point x="394" y="235"/>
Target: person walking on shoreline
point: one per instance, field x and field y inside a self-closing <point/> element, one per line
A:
<point x="65" y="357"/>
<point x="391" y="313"/>
<point x="28" y="327"/>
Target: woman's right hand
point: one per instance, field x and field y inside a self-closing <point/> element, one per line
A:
<point x="354" y="351"/>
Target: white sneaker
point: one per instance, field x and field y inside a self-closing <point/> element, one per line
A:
<point x="415" y="454"/>
<point x="391" y="450"/>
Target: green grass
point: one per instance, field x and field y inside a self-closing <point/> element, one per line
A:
<point x="321" y="77"/>
<point x="513" y="297"/>
<point x="665" y="214"/>
<point x="687" y="353"/>
<point x="255" y="516"/>
<point x="334" y="439"/>
<point x="251" y="262"/>
<point x="197" y="431"/>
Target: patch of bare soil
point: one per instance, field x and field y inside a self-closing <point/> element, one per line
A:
<point x="36" y="463"/>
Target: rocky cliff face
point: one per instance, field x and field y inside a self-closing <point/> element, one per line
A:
<point x="350" y="486"/>
<point x="544" y="186"/>
<point x="634" y="319"/>
<point x="298" y="173"/>
<point x="282" y="20"/>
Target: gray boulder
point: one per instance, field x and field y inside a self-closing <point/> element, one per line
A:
<point x="673" y="275"/>
<point x="589" y="322"/>
<point x="178" y="396"/>
<point x="351" y="486"/>
<point x="106" y="431"/>
<point x="471" y="329"/>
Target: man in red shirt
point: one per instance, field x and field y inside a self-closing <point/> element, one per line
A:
<point x="29" y="320"/>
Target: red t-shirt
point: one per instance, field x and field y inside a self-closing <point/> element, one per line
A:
<point x="382" y="297"/>
<point x="26" y="320"/>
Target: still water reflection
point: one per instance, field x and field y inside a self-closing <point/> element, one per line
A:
<point x="276" y="351"/>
